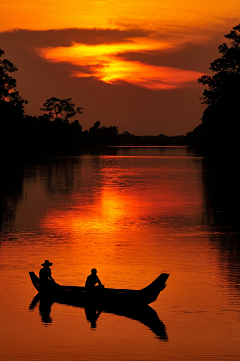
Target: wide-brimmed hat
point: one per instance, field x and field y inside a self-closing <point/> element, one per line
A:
<point x="46" y="263"/>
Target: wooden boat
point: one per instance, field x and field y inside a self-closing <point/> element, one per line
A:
<point x="103" y="297"/>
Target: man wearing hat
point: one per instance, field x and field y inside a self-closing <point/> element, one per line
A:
<point x="45" y="274"/>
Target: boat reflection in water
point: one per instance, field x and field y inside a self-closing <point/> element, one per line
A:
<point x="144" y="314"/>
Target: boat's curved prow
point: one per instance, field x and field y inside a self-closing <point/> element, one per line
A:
<point x="157" y="283"/>
<point x="153" y="289"/>
<point x="35" y="280"/>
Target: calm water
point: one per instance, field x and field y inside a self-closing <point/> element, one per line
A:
<point x="132" y="213"/>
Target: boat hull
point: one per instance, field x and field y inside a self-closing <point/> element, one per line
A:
<point x="102" y="296"/>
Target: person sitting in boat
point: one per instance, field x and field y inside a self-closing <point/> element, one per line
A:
<point x="92" y="280"/>
<point x="45" y="275"/>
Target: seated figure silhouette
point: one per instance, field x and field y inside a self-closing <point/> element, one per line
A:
<point x="92" y="280"/>
<point x="45" y="276"/>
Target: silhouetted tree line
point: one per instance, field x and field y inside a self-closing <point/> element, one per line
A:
<point x="52" y="132"/>
<point x="160" y="140"/>
<point x="218" y="134"/>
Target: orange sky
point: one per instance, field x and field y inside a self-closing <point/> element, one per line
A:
<point x="161" y="48"/>
<point x="157" y="15"/>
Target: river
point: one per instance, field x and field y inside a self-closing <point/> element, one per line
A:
<point x="132" y="213"/>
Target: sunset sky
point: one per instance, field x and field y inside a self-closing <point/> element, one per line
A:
<point x="132" y="64"/>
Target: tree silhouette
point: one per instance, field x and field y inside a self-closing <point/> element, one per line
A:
<point x="11" y="110"/>
<point x="96" y="127"/>
<point x="220" y="120"/>
<point x="63" y="109"/>
<point x="8" y="93"/>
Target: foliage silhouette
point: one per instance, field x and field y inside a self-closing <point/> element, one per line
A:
<point x="10" y="99"/>
<point x="219" y="131"/>
<point x="60" y="109"/>
<point x="11" y="107"/>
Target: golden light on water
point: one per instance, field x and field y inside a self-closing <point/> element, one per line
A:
<point x="113" y="210"/>
<point x="98" y="217"/>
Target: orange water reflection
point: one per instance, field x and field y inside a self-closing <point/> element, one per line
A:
<point x="123" y="199"/>
<point x="119" y="220"/>
<point x="99" y="216"/>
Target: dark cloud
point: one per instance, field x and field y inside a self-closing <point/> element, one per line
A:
<point x="191" y="57"/>
<point x="188" y="57"/>
<point x="65" y="37"/>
